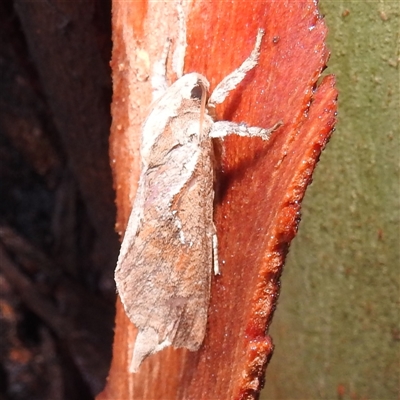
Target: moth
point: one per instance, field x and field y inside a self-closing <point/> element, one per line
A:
<point x="164" y="268"/>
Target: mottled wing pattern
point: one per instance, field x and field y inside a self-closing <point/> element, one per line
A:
<point x="163" y="272"/>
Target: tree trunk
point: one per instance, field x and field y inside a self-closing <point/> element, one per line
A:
<point x="260" y="185"/>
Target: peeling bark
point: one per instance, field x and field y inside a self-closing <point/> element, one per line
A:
<point x="260" y="186"/>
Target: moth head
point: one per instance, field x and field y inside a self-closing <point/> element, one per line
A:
<point x="194" y="86"/>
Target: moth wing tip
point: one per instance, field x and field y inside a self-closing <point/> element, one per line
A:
<point x="147" y="343"/>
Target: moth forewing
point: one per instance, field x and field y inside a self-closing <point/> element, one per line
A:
<point x="163" y="273"/>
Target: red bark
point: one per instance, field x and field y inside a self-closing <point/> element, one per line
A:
<point x="260" y="187"/>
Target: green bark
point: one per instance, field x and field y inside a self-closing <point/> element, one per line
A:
<point x="337" y="326"/>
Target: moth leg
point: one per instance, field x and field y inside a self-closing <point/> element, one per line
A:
<point x="159" y="76"/>
<point x="215" y="252"/>
<point x="234" y="78"/>
<point x="220" y="129"/>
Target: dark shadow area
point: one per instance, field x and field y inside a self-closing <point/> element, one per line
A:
<point x="58" y="247"/>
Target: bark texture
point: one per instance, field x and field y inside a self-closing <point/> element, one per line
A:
<point x="260" y="186"/>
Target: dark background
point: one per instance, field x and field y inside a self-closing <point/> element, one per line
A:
<point x="58" y="246"/>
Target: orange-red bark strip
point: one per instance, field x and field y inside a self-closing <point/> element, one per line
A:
<point x="259" y="191"/>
